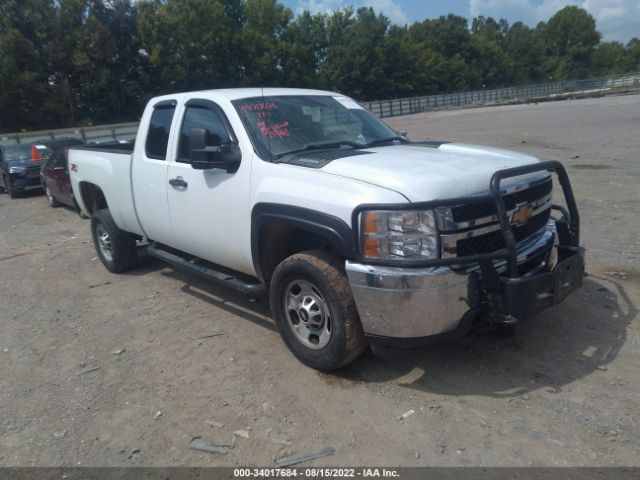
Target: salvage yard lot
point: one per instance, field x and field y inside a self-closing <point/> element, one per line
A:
<point x="103" y="369"/>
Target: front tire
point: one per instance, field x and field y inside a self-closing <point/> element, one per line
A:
<point x="116" y="248"/>
<point x="13" y="193"/>
<point x="314" y="310"/>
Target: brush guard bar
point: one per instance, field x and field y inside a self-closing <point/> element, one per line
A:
<point x="522" y="296"/>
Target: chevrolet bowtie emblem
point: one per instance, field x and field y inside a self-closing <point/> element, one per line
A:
<point x="522" y="214"/>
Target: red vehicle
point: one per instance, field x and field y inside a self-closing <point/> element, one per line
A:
<point x="55" y="180"/>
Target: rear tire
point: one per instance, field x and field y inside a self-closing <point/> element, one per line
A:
<point x="314" y="310"/>
<point x="116" y="248"/>
<point x="13" y="193"/>
<point x="53" y="202"/>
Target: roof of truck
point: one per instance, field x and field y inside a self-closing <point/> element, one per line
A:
<point x="237" y="93"/>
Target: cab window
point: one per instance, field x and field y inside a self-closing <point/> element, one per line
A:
<point x="200" y="117"/>
<point x="158" y="134"/>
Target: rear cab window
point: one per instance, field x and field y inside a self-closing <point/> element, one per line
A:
<point x="159" y="128"/>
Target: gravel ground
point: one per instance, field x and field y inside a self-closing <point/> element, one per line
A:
<point x="102" y="369"/>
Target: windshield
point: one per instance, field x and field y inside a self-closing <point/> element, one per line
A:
<point x="280" y="125"/>
<point x="17" y="153"/>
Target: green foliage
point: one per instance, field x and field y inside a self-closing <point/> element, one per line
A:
<point x="571" y="38"/>
<point x="304" y="51"/>
<point x="611" y="57"/>
<point x="72" y="62"/>
<point x="355" y="56"/>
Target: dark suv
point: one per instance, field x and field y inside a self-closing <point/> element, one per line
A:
<point x="20" y="164"/>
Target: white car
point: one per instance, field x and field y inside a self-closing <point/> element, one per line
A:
<point x="360" y="236"/>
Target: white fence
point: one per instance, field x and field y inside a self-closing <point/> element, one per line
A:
<point x="524" y="93"/>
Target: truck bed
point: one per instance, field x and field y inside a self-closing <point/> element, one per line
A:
<point x="108" y="148"/>
<point x="109" y="167"/>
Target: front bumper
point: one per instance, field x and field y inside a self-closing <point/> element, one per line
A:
<point x="26" y="180"/>
<point x="406" y="307"/>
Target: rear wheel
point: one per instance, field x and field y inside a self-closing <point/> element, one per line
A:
<point x="50" y="198"/>
<point x="116" y="248"/>
<point x="315" y="312"/>
<point x="13" y="193"/>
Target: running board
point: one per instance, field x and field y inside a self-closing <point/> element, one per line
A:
<point x="253" y="289"/>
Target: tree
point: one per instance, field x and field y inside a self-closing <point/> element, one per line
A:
<point x="96" y="67"/>
<point x="633" y="47"/>
<point x="526" y="48"/>
<point x="26" y="99"/>
<point x="192" y="44"/>
<point x="446" y="35"/>
<point x="262" y="42"/>
<point x="571" y="38"/>
<point x="611" y="57"/>
<point x="488" y="60"/>
<point x="305" y="51"/>
<point x="402" y="60"/>
<point x="355" y="56"/>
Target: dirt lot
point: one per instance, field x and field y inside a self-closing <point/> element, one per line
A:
<point x="563" y="391"/>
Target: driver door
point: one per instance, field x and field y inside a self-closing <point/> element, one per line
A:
<point x="209" y="209"/>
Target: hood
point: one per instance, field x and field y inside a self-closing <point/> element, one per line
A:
<point x="423" y="173"/>
<point x="26" y="164"/>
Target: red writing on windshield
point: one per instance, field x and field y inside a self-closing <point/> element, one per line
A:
<point x="255" y="107"/>
<point x="278" y="130"/>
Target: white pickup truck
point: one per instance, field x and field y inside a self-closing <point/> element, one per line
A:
<point x="359" y="236"/>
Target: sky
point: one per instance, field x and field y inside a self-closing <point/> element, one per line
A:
<point x="615" y="19"/>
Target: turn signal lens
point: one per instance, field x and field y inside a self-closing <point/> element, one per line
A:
<point x="371" y="247"/>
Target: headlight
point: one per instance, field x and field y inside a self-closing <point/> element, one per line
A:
<point x="16" y="169"/>
<point x="398" y="235"/>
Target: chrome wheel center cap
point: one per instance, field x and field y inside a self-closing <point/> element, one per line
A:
<point x="310" y="311"/>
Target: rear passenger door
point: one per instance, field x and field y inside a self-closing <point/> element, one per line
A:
<point x="149" y="171"/>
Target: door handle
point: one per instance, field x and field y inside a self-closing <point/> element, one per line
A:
<point x="178" y="182"/>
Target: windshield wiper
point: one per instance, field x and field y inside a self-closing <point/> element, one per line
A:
<point x="318" y="146"/>
<point x="381" y="141"/>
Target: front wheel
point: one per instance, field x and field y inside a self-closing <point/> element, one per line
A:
<point x="315" y="312"/>
<point x="11" y="190"/>
<point x="116" y="248"/>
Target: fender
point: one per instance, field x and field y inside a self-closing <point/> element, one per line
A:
<point x="332" y="229"/>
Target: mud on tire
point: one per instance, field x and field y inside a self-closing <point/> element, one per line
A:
<point x="323" y="276"/>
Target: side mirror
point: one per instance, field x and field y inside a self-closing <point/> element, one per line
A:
<point x="226" y="156"/>
<point x="402" y="133"/>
